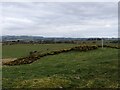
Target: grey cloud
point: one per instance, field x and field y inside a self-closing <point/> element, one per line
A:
<point x="60" y="19"/>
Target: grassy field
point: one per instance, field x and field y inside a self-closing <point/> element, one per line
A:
<point x="24" y="49"/>
<point x="93" y="69"/>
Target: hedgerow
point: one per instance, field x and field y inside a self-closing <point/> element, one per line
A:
<point x="33" y="56"/>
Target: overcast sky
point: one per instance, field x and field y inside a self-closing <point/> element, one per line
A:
<point x="60" y="19"/>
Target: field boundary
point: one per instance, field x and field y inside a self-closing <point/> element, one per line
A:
<point x="36" y="55"/>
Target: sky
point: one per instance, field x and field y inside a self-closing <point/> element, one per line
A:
<point x="60" y="19"/>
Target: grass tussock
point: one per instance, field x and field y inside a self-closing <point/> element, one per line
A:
<point x="46" y="82"/>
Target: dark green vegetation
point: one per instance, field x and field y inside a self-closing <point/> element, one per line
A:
<point x="96" y="68"/>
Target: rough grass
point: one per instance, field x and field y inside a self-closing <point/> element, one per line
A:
<point x="46" y="82"/>
<point x="92" y="69"/>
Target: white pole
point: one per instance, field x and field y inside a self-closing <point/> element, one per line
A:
<point x="55" y="40"/>
<point x="102" y="42"/>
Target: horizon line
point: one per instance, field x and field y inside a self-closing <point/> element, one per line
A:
<point x="59" y="36"/>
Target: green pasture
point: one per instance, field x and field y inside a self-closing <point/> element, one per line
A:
<point x="20" y="50"/>
<point x="92" y="69"/>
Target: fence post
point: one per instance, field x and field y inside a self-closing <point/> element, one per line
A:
<point x="102" y="42"/>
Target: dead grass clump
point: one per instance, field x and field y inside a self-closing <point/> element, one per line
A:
<point x="47" y="82"/>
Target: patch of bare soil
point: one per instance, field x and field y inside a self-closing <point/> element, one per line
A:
<point x="6" y="60"/>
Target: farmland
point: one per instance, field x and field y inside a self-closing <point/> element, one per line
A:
<point x="24" y="49"/>
<point x="75" y="69"/>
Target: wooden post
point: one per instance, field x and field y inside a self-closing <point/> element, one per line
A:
<point x="102" y="42"/>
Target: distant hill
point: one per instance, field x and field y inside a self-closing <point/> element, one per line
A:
<point x="37" y="38"/>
